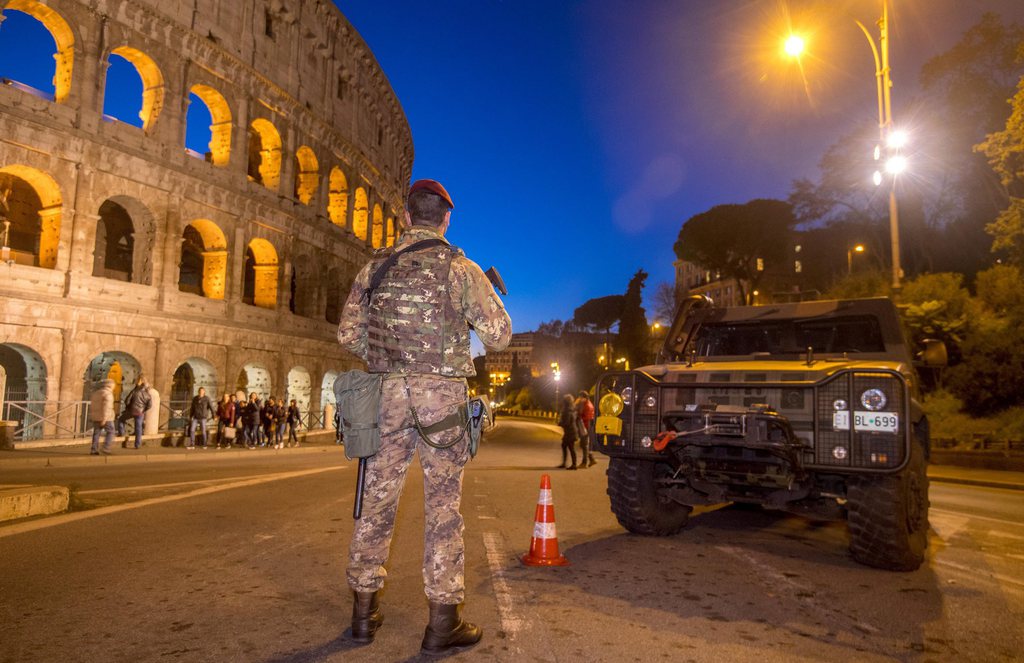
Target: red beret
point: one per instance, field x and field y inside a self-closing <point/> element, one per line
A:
<point x="433" y="186"/>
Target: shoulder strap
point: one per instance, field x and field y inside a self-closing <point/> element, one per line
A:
<point x="378" y="276"/>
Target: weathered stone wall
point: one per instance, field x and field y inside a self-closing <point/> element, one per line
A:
<point x="217" y="242"/>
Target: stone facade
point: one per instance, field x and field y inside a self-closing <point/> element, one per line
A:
<point x="128" y="254"/>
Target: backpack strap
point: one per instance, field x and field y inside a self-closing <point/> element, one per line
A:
<point x="381" y="272"/>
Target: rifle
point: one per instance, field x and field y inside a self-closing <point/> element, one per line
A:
<point x="357" y="507"/>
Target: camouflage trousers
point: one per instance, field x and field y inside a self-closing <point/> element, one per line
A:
<point x="443" y="551"/>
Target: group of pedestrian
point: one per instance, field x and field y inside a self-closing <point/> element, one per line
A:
<point x="574" y="418"/>
<point x="252" y="423"/>
<point x="261" y="423"/>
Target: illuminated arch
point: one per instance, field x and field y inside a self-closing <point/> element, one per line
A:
<point x="264" y="153"/>
<point x="307" y="174"/>
<point x="25" y="371"/>
<point x="152" y="84"/>
<point x="204" y="260"/>
<point x="260" y="278"/>
<point x="34" y="207"/>
<point x="254" y="377"/>
<point x="115" y="365"/>
<point x="220" y="123"/>
<point x="299" y="388"/>
<point x="389" y="232"/>
<point x="337" y="197"/>
<point x="63" y="37"/>
<point x="360" y="215"/>
<point x="377" y="239"/>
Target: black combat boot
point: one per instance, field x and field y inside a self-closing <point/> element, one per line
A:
<point x="366" y="616"/>
<point x="447" y="631"/>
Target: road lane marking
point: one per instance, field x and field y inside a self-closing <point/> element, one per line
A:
<point x="799" y="591"/>
<point x="974" y="517"/>
<point x="496" y="556"/>
<point x="948" y="526"/>
<point x="975" y="572"/>
<point x="33" y="525"/>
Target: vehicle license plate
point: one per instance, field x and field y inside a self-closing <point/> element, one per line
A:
<point x="879" y="422"/>
<point x="841" y="420"/>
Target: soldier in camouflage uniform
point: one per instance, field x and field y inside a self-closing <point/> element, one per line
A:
<point x="414" y="328"/>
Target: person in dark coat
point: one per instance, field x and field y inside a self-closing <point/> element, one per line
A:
<point x="136" y="404"/>
<point x="567" y="420"/>
<point x="251" y="419"/>
<point x="267" y="419"/>
<point x="294" y="418"/>
<point x="198" y="413"/>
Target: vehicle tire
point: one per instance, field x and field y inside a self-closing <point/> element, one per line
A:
<point x="888" y="516"/>
<point x="636" y="501"/>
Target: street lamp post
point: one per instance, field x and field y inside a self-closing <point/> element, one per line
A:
<point x="893" y="140"/>
<point x="883" y="84"/>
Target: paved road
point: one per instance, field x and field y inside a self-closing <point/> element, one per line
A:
<point x="240" y="558"/>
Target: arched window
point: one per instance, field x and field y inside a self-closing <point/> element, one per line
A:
<point x="360" y="215"/>
<point x="208" y="125"/>
<point x="115" y="243"/>
<point x="204" y="260"/>
<point x="24" y="16"/>
<point x="31" y="201"/>
<point x="378" y="227"/>
<point x="127" y="91"/>
<point x="25" y="371"/>
<point x="337" y="197"/>
<point x="264" y="154"/>
<point x="389" y="232"/>
<point x="307" y="174"/>
<point x="254" y="378"/>
<point x="259" y="283"/>
<point x="336" y="295"/>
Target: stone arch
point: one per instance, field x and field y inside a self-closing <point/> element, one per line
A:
<point x="254" y="377"/>
<point x="264" y="153"/>
<point x="336" y="296"/>
<point x="115" y="365"/>
<point x="389" y="231"/>
<point x="377" y="239"/>
<point x="63" y="38"/>
<point x="337" y="197"/>
<point x="31" y="200"/>
<point x="259" y="282"/>
<point x="303" y="291"/>
<point x="204" y="260"/>
<point x="219" y="153"/>
<point x="188" y="377"/>
<point x="152" y="84"/>
<point x="360" y="214"/>
<point x="307" y="174"/>
<point x="25" y="385"/>
<point x="299" y="387"/>
<point x="327" y="391"/>
<point x="124" y="241"/>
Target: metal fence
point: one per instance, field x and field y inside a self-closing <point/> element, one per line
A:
<point x="70" y="419"/>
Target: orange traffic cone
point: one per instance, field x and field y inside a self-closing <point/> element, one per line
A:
<point x="544" y="544"/>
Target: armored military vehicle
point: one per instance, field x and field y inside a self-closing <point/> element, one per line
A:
<point x="805" y="407"/>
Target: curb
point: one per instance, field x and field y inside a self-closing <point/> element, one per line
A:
<point x="977" y="482"/>
<point x="18" y="502"/>
<point x="126" y="457"/>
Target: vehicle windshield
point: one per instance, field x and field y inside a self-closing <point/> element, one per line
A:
<point x="788" y="337"/>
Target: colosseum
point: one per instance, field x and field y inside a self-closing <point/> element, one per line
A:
<point x="126" y="253"/>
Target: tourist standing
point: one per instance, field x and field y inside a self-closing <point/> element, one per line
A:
<point x="101" y="412"/>
<point x="200" y="410"/>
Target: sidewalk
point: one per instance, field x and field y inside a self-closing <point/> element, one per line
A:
<point x="970" y="476"/>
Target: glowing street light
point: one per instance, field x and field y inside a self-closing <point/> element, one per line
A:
<point x="896" y="164"/>
<point x="849" y="257"/>
<point x="793" y="46"/>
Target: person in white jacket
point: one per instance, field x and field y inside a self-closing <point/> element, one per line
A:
<point x="101" y="412"/>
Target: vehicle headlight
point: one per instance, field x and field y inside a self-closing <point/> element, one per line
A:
<point x="610" y="405"/>
<point x="627" y="395"/>
<point x="873" y="399"/>
<point x="840" y="404"/>
<point x="650" y="400"/>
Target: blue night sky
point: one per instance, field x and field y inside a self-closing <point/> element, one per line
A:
<point x="576" y="136"/>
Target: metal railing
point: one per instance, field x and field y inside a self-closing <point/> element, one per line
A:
<point x="67" y="418"/>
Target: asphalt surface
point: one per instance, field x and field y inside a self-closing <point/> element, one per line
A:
<point x="240" y="557"/>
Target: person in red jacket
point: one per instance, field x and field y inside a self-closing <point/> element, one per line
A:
<point x="584" y="417"/>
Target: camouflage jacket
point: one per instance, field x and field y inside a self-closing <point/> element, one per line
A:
<point x="418" y="319"/>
